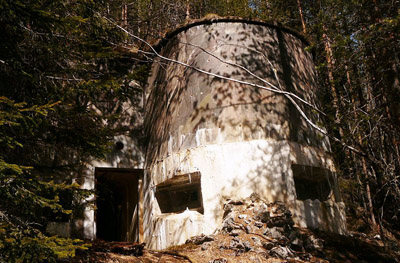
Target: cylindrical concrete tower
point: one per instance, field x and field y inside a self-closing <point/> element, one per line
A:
<point x="212" y="138"/>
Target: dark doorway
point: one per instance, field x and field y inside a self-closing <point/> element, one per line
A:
<point x="117" y="214"/>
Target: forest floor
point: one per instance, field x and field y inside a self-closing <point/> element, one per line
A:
<point x="254" y="231"/>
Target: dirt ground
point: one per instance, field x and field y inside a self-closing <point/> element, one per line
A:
<point x="254" y="231"/>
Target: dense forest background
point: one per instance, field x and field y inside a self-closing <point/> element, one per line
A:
<point x="66" y="65"/>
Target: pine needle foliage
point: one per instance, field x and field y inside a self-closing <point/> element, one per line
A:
<point x="62" y="77"/>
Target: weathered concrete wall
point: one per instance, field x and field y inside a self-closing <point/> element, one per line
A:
<point x="126" y="152"/>
<point x="241" y="139"/>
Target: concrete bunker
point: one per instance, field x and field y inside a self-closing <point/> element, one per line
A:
<point x="240" y="138"/>
<point x="117" y="202"/>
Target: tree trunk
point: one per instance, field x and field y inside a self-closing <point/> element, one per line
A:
<point x="124" y="16"/>
<point x="331" y="65"/>
<point x="303" y="24"/>
<point x="187" y="10"/>
<point x="363" y="160"/>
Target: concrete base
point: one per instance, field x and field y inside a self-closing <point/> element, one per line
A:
<point x="235" y="171"/>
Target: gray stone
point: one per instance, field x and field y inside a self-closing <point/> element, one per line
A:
<point x="313" y="243"/>
<point x="262" y="214"/>
<point x="235" y="232"/>
<point x="293" y="235"/>
<point x="281" y="252"/>
<point x="297" y="243"/>
<point x="254" y="197"/>
<point x="218" y="260"/>
<point x="277" y="221"/>
<point x="247" y="246"/>
<point x="284" y="241"/>
<point x="242" y="216"/>
<point x="274" y="232"/>
<point x="227" y="210"/>
<point x="236" y="244"/>
<point x="205" y="245"/>
<point x="235" y="202"/>
<point x="228" y="225"/>
<point x="198" y="240"/>
<point x="268" y="245"/>
<point x="257" y="241"/>
<point x="305" y="256"/>
<point x="258" y="224"/>
<point x="254" y="259"/>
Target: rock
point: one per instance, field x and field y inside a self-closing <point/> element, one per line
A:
<point x="305" y="256"/>
<point x="262" y="214"/>
<point x="248" y="229"/>
<point x="264" y="217"/>
<point x="258" y="224"/>
<point x="247" y="221"/>
<point x="378" y="237"/>
<point x="283" y="241"/>
<point x="235" y="232"/>
<point x="313" y="243"/>
<point x="198" y="240"/>
<point x="277" y="221"/>
<point x="268" y="245"/>
<point x="257" y="241"/>
<point x="274" y="232"/>
<point x="236" y="244"/>
<point x="240" y="246"/>
<point x="242" y="217"/>
<point x="233" y="202"/>
<point x="205" y="245"/>
<point x="281" y="252"/>
<point x="227" y="209"/>
<point x="255" y="259"/>
<point x="290" y="222"/>
<point x="297" y="243"/>
<point x="288" y="214"/>
<point x="222" y="247"/>
<point x="247" y="246"/>
<point x="293" y="235"/>
<point x="228" y="225"/>
<point x="278" y="207"/>
<point x="254" y="197"/>
<point x="218" y="260"/>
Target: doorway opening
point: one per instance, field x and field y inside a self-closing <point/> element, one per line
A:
<point x="117" y="214"/>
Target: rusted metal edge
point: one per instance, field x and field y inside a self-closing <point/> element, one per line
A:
<point x="208" y="21"/>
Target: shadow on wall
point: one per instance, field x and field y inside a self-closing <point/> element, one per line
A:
<point x="187" y="109"/>
<point x="182" y="100"/>
<point x="235" y="171"/>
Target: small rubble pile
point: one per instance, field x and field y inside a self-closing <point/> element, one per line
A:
<point x="266" y="230"/>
